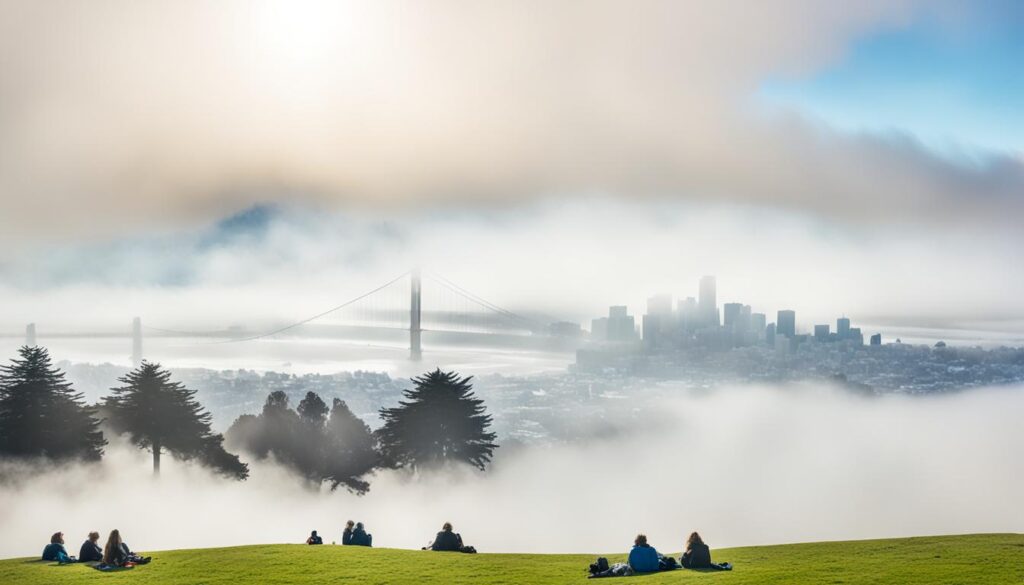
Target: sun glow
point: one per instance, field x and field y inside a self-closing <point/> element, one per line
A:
<point x="303" y="33"/>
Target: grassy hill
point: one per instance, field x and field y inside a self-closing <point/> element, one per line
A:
<point x="980" y="558"/>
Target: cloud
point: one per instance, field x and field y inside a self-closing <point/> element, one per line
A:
<point x="125" y="117"/>
<point x="275" y="265"/>
<point x="742" y="465"/>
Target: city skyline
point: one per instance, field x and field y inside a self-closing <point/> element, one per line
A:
<point x="695" y="314"/>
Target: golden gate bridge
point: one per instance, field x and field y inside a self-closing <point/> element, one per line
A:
<point x="415" y="302"/>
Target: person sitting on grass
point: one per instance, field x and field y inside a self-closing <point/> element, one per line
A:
<point x="446" y="540"/>
<point x="55" y="551"/>
<point x="314" y="539"/>
<point x="117" y="554"/>
<point x="643" y="558"/>
<point x="91" y="550"/>
<point x="113" y="553"/>
<point x="359" y="536"/>
<point x="698" y="556"/>
<point x="346" y="535"/>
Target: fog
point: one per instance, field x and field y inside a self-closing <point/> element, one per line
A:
<point x="571" y="260"/>
<point x="744" y="465"/>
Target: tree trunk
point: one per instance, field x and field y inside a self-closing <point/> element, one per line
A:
<point x="156" y="458"/>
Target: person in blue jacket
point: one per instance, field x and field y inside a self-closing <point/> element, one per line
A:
<point x="55" y="551"/>
<point x="643" y="558"/>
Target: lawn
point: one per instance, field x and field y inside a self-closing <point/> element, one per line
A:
<point x="961" y="560"/>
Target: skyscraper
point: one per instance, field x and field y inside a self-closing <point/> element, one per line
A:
<point x="706" y="303"/>
<point x="621" y="326"/>
<point x="730" y="313"/>
<point x="821" y="332"/>
<point x="856" y="336"/>
<point x="786" y="323"/>
<point x="687" y="310"/>
<point x="758" y="321"/>
<point x="842" y="327"/>
<point x="657" y="323"/>
<point x="660" y="305"/>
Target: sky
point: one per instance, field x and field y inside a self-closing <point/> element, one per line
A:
<point x="955" y="86"/>
<point x="188" y="160"/>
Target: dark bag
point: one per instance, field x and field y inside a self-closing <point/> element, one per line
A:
<point x="599" y="567"/>
<point x="667" y="564"/>
<point x="468" y="549"/>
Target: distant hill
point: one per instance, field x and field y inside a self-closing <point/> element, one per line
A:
<point x="963" y="560"/>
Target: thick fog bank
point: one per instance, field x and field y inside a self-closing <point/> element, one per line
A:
<point x="743" y="466"/>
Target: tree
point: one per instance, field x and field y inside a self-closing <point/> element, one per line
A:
<point x="442" y="422"/>
<point x="340" y="449"/>
<point x="313" y="410"/>
<point x="351" y="449"/>
<point x="158" y="414"/>
<point x="309" y="450"/>
<point x="41" y="415"/>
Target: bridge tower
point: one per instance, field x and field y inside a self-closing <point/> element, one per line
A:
<point x="136" y="341"/>
<point x="30" y="335"/>
<point x="415" y="348"/>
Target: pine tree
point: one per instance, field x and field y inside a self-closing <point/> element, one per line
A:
<point x="158" y="415"/>
<point x="441" y="422"/>
<point x="40" y="413"/>
<point x="351" y="449"/>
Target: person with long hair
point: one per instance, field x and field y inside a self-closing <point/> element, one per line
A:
<point x="117" y="553"/>
<point x="113" y="552"/>
<point x="697" y="554"/>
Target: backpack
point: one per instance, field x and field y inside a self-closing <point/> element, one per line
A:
<point x="667" y="564"/>
<point x="599" y="567"/>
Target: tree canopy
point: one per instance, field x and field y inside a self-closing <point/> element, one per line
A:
<point x="158" y="414"/>
<point x="319" y="444"/>
<point x="41" y="415"/>
<point x="440" y="422"/>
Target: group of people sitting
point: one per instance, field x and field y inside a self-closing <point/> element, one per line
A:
<point x="355" y="534"/>
<point x="114" y="554"/>
<point x="644" y="558"/>
<point x="448" y="540"/>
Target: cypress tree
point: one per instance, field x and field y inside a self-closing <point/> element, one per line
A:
<point x="441" y="422"/>
<point x="351" y="449"/>
<point x="40" y="413"/>
<point x="340" y="448"/>
<point x="161" y="415"/>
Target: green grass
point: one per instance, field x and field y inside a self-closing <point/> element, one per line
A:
<point x="980" y="558"/>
